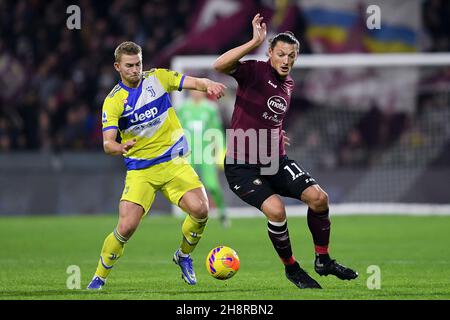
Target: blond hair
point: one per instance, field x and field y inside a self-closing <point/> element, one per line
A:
<point x="127" y="47"/>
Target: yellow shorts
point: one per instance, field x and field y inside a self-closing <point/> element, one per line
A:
<point x="173" y="179"/>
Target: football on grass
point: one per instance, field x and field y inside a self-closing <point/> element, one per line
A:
<point x="222" y="262"/>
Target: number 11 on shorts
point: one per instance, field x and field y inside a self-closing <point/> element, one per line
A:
<point x="291" y="171"/>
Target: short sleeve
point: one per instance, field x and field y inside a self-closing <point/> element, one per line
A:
<point x="111" y="112"/>
<point x="170" y="80"/>
<point x="243" y="71"/>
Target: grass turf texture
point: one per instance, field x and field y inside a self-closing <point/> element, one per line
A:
<point x="412" y="253"/>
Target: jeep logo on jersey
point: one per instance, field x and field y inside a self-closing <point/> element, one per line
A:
<point x="148" y="114"/>
<point x="277" y="104"/>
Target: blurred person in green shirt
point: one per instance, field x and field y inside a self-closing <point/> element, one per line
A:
<point x="202" y="123"/>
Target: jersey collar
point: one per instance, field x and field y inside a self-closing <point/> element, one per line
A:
<point x="129" y="89"/>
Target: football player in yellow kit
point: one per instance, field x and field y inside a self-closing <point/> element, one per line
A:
<point x="153" y="146"/>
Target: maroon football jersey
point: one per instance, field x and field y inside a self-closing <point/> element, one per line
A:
<point x="262" y="101"/>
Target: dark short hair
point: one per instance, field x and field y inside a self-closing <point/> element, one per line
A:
<point x="127" y="47"/>
<point x="287" y="37"/>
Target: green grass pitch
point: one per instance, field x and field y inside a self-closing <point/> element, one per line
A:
<point x="411" y="252"/>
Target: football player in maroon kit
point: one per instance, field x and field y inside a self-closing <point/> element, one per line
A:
<point x="256" y="142"/>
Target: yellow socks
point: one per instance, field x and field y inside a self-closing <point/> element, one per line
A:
<point x="112" y="250"/>
<point x="192" y="230"/>
<point x="113" y="246"/>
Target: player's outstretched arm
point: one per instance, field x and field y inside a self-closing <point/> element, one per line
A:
<point x="212" y="88"/>
<point x="112" y="147"/>
<point x="227" y="61"/>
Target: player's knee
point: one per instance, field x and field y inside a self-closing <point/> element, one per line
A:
<point x="276" y="212"/>
<point x="126" y="229"/>
<point x="277" y="216"/>
<point x="319" y="202"/>
<point x="199" y="209"/>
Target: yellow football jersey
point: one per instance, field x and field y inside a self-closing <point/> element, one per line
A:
<point x="146" y="114"/>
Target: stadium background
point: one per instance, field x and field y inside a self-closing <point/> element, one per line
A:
<point x="377" y="139"/>
<point x="370" y="135"/>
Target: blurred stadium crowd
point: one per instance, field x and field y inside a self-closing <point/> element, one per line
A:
<point x="54" y="80"/>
